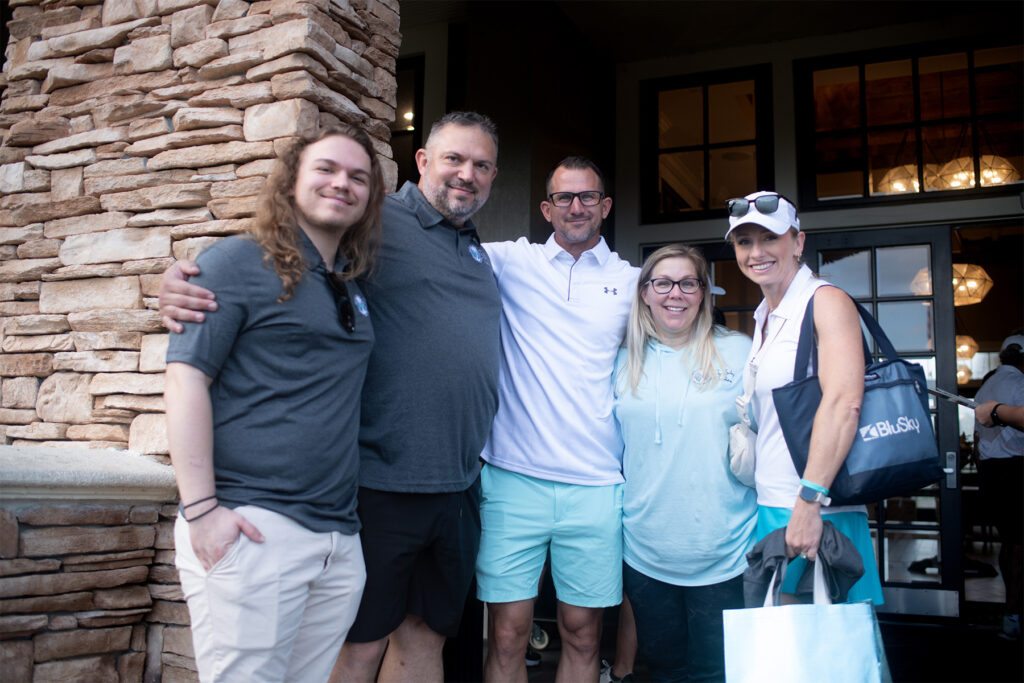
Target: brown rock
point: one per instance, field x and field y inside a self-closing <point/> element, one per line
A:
<point x="230" y="9"/>
<point x="28" y="344"/>
<point x="165" y="573"/>
<point x="295" y="61"/>
<point x="37" y="213"/>
<point x="17" y="308"/>
<point x="199" y="53"/>
<point x="238" y="27"/>
<point x="191" y="118"/>
<point x="149" y="404"/>
<point x="189" y="25"/>
<point x="122" y="598"/>
<point x="298" y="117"/>
<point x="300" y="84"/>
<point x="117" y="11"/>
<point x="191" y="247"/>
<point x="116" y="245"/>
<point x="51" y="541"/>
<point x="87" y="295"/>
<point x="84" y="272"/>
<point x="22" y="625"/>
<point x="64" y="397"/>
<point x="171" y="660"/>
<point x="240" y="96"/>
<point x="22" y="291"/>
<point x="64" y="75"/>
<point x="83" y="41"/>
<point x="166" y="612"/>
<point x="55" y="161"/>
<point x="147" y="128"/>
<point x="116" y="86"/>
<point x="49" y="646"/>
<point x="78" y="225"/>
<point x="147" y="266"/>
<point x="8" y="534"/>
<point x="179" y="641"/>
<point x="19" y="235"/>
<point x="92" y="341"/>
<point x="225" y="227"/>
<point x="36" y="324"/>
<point x="91" y="669"/>
<point x="75" y="514"/>
<point x="149" y="434"/>
<point x="15" y="105"/>
<point x="38" y="249"/>
<point x="203" y="136"/>
<point x="37" y="130"/>
<point x="112" y="618"/>
<point x="116" y="321"/>
<point x="16" y="660"/>
<point x="127" y="383"/>
<point x="19" y="392"/>
<point x="110" y="184"/>
<point x="23" y="565"/>
<point x="146" y="54"/>
<point x="62" y="622"/>
<point x="171" y="216"/>
<point x="166" y="592"/>
<point x="229" y="65"/>
<point x="96" y="56"/>
<point x="130" y="667"/>
<point x="90" y="138"/>
<point x="27" y="269"/>
<point x="237" y="188"/>
<point x="52" y="584"/>
<point x="176" y="195"/>
<point x="209" y="155"/>
<point x="96" y="361"/>
<point x="234" y="207"/>
<point x="26" y="364"/>
<point x="186" y="90"/>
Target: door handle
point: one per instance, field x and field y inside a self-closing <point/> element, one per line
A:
<point x="950" y="469"/>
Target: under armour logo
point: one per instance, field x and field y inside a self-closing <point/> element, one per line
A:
<point x="611" y="290"/>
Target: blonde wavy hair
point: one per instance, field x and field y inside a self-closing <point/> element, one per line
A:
<point x="641" y="329"/>
<point x="277" y="231"/>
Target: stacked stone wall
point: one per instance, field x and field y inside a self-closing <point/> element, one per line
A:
<point x="136" y="132"/>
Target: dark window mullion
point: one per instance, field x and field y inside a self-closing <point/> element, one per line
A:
<point x="975" y="127"/>
<point x="706" y="156"/>
<point x="865" y="169"/>
<point x="915" y="75"/>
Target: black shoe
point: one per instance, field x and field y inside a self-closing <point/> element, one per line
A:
<point x="532" y="657"/>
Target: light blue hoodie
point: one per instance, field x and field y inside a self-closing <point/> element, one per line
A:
<point x="686" y="520"/>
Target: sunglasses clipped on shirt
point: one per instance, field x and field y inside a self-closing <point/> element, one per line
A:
<point x="766" y="204"/>
<point x="346" y="315"/>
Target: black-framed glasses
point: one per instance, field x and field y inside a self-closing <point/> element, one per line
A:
<point x="662" y="285"/>
<point x="346" y="314"/>
<point x="766" y="204"/>
<point x="587" y="198"/>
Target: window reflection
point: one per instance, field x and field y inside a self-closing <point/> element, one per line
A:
<point x="904" y="270"/>
<point x="908" y="324"/>
<point x="849" y="269"/>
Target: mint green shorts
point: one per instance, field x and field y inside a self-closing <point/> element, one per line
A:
<point x="522" y="517"/>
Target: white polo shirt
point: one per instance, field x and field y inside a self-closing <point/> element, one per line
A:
<point x="562" y="323"/>
<point x="1005" y="386"/>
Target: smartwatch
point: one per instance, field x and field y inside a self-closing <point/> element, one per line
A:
<point x="813" y="496"/>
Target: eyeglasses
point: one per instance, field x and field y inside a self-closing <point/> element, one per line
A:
<point x="662" y="285"/>
<point x="766" y="204"/>
<point x="346" y="316"/>
<point x="588" y="198"/>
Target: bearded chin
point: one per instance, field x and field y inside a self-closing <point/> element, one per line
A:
<point x="453" y="211"/>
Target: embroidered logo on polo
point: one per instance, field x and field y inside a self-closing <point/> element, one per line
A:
<point x="360" y="304"/>
<point x="614" y="291"/>
<point x="478" y="254"/>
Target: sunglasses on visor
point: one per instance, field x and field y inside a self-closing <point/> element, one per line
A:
<point x="766" y="204"/>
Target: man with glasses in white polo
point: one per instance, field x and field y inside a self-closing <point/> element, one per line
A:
<point x="553" y="472"/>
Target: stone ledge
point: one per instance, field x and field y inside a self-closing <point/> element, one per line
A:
<point x="73" y="474"/>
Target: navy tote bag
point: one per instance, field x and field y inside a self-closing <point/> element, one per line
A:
<point x="894" y="451"/>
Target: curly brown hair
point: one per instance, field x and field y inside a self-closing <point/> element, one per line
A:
<point x="276" y="230"/>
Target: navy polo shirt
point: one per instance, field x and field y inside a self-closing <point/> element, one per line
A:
<point x="431" y="388"/>
<point x="286" y="383"/>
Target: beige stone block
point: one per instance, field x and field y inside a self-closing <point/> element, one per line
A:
<point x="18" y="308"/>
<point x="178" y="195"/>
<point x="231" y="226"/>
<point x="67" y="208"/>
<point x="64" y="75"/>
<point x="209" y="155"/>
<point x="98" y="432"/>
<point x="66" y="540"/>
<point x="115" y="167"/>
<point x="149" y="404"/>
<point x="127" y="383"/>
<point x="19" y="392"/>
<point x="66" y="183"/>
<point x="300" y="84"/>
<point x="170" y="217"/>
<point x="164" y="573"/>
<point x="115" y="321"/>
<point x="87" y="295"/>
<point x="147" y="128"/>
<point x="191" y="89"/>
<point x="295" y="61"/>
<point x="27" y="269"/>
<point x="84" y="272"/>
<point x="189" y="25"/>
<point x="12" y="177"/>
<point x="124" y="108"/>
<point x="234" y="207"/>
<point x="42" y="248"/>
<point x="117" y="11"/>
<point x="13" y="416"/>
<point x="40" y="342"/>
<point x="23" y="198"/>
<point x="240" y="96"/>
<point x="177" y="662"/>
<point x="119" y="86"/>
<point x="193" y="138"/>
<point x="51" y="162"/>
<point x="64" y="397"/>
<point x="153" y="354"/>
<point x="38" y="431"/>
<point x="19" y="235"/>
<point x="146" y="54"/>
<point x="96" y="222"/>
<point x="237" y="63"/>
<point x="237" y="188"/>
<point x="149" y="434"/>
<point x="83" y="41"/>
<point x="230" y="9"/>
<point x="23" y="565"/>
<point x="77" y="514"/>
<point x="36" y="324"/>
<point x="199" y="53"/>
<point x="97" y="361"/>
<point x="26" y="364"/>
<point x="16" y="105"/>
<point x="147" y="266"/>
<point x="179" y="641"/>
<point x="50" y="646"/>
<point x="22" y="625"/>
<point x="389" y="170"/>
<point x="54" y="584"/>
<point x="191" y="118"/>
<point x="260" y="167"/>
<point x="16" y="660"/>
<point x="191" y="247"/>
<point x="8" y="533"/>
<point x="19" y="291"/>
<point x="297" y="117"/>
<point x="377" y="109"/>
<point x="90" y="138"/>
<point x="124" y="183"/>
<point x="116" y="245"/>
<point x="93" y="341"/>
<point x="164" y="535"/>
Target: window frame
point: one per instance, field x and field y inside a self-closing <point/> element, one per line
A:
<point x="804" y="109"/>
<point x="763" y="141"/>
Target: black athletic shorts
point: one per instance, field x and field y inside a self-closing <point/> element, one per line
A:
<point x="420" y="552"/>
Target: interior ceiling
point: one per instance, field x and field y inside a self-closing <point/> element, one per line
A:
<point x="629" y="30"/>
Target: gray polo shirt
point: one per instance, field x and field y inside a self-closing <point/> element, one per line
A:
<point x="286" y="383"/>
<point x="432" y="385"/>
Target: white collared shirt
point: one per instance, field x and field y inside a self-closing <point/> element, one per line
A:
<point x="563" y="321"/>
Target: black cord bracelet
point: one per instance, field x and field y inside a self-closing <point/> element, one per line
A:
<point x="202" y="514"/>
<point x="995" y="416"/>
<point x="197" y="502"/>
